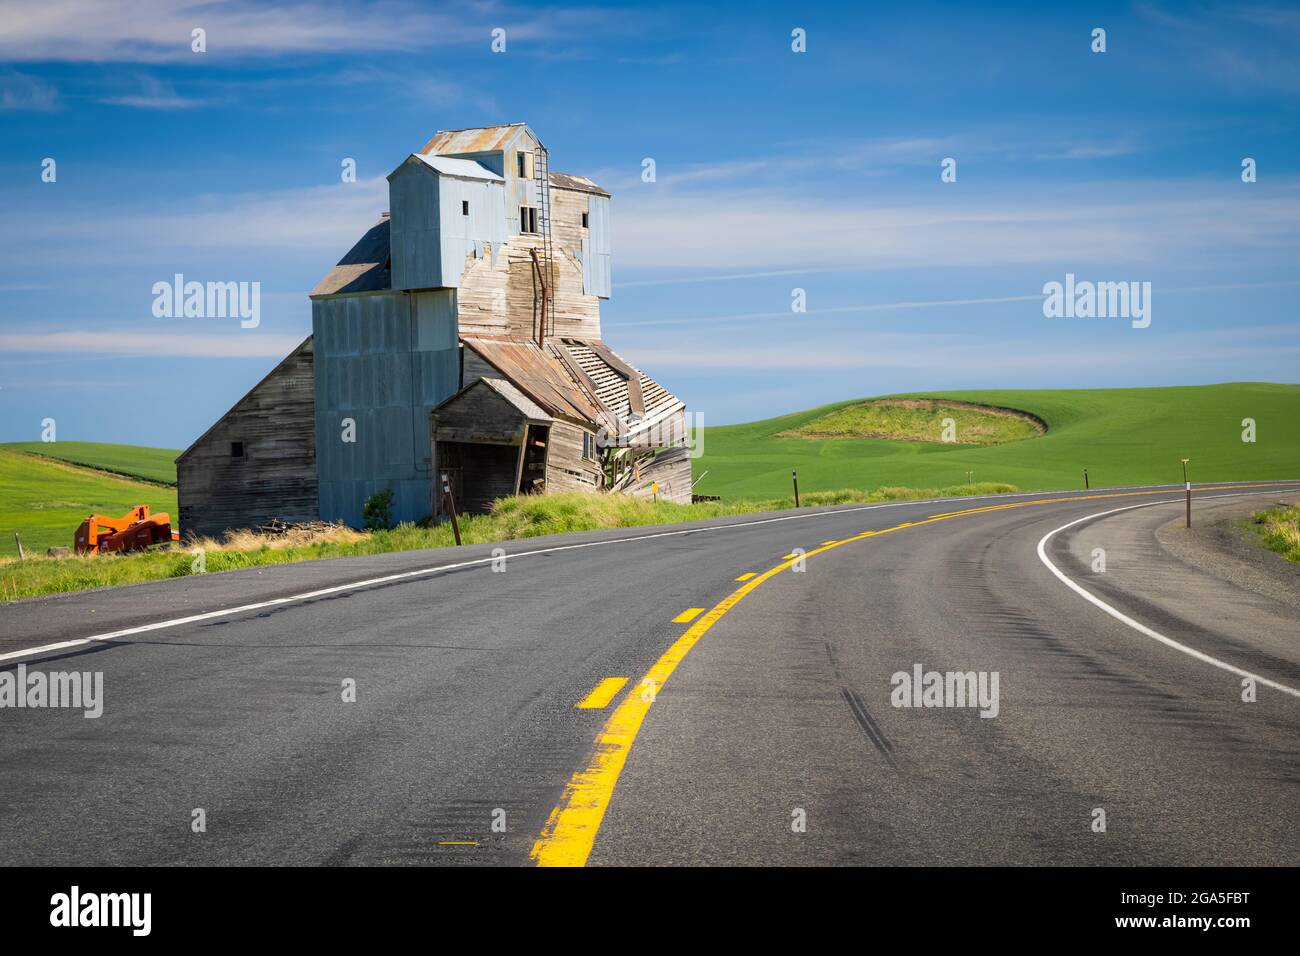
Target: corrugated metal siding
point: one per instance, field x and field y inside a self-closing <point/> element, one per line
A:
<point x="430" y="234"/>
<point x="461" y="234"/>
<point x="415" y="230"/>
<point x="384" y="368"/>
<point x="597" y="278"/>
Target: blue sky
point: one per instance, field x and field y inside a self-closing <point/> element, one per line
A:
<point x="775" y="170"/>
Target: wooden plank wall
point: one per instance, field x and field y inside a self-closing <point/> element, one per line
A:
<point x="566" y="469"/>
<point x="671" y="468"/>
<point x="479" y="414"/>
<point x="501" y="298"/>
<point x="276" y="478"/>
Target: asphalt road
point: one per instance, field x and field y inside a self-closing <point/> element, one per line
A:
<point x="773" y="740"/>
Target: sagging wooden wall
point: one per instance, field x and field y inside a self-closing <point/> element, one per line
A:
<point x="566" y="469"/>
<point x="671" y="470"/>
<point x="276" y="475"/>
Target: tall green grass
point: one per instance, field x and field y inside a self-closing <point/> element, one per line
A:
<point x="1279" y="530"/>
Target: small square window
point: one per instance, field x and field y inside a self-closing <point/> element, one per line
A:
<point x="584" y="220"/>
<point x="236" y="449"/>
<point x="464" y="207"/>
<point x="527" y="219"/>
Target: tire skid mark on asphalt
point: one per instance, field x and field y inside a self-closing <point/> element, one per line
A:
<point x="860" y="713"/>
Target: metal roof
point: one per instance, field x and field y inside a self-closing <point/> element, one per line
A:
<point x="527" y="407"/>
<point x="539" y="374"/>
<point x="364" y="269"/>
<point x="451" y="166"/>
<point x="478" y="139"/>
<point x="578" y="183"/>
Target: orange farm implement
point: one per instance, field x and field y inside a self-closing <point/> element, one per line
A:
<point x="136" y="529"/>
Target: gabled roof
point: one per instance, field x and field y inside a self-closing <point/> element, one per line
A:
<point x="451" y="166"/>
<point x="521" y="402"/>
<point x="476" y="139"/>
<point x="364" y="269"/>
<point x="304" y="347"/>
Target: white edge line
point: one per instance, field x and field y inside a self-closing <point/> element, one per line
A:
<point x="1137" y="625"/>
<point x="420" y="572"/>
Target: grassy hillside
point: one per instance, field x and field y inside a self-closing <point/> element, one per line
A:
<point x="151" y="464"/>
<point x="45" y="500"/>
<point x="1128" y="435"/>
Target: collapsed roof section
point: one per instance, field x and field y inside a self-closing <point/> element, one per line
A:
<point x="585" y="382"/>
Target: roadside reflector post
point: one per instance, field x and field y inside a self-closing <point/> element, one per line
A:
<point x="1188" y="485"/>
<point x="449" y="501"/>
<point x="19" y="541"/>
<point x="1085" y="479"/>
<point x="969" y="476"/>
<point x="794" y="476"/>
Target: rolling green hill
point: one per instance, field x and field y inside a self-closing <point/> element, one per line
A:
<point x="136" y="461"/>
<point x="1122" y="436"/>
<point x="45" y="500"/>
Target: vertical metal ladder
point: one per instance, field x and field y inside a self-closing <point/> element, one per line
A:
<point x="542" y="174"/>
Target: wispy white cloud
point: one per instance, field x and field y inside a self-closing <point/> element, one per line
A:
<point x="962" y="354"/>
<point x="328" y="217"/>
<point x="237" y="343"/>
<point x="1249" y="47"/>
<point x="737" y="228"/>
<point x="153" y="94"/>
<point x="160" y="30"/>
<point x="701" y="322"/>
<point x="18" y="91"/>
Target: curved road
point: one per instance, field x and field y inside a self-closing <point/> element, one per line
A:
<point x="763" y="729"/>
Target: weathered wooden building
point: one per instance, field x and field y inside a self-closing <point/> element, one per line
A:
<point x="460" y="335"/>
<point x="258" y="461"/>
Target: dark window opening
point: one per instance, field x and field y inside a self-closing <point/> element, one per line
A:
<point x="584" y="220"/>
<point x="236" y="449"/>
<point x="464" y="207"/>
<point x="527" y="219"/>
